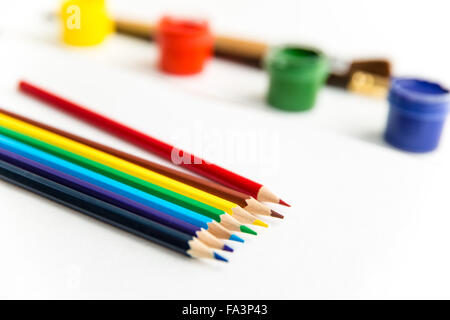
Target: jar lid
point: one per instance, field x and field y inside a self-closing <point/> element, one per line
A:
<point x="294" y="58"/>
<point x="182" y="27"/>
<point x="419" y="95"/>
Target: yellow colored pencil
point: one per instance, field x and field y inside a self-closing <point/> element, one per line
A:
<point x="130" y="168"/>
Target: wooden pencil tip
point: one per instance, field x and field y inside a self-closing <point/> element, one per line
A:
<point x="246" y="229"/>
<point x="219" y="257"/>
<point x="275" y="214"/>
<point x="283" y="203"/>
<point x="236" y="238"/>
<point x="227" y="248"/>
<point x="260" y="223"/>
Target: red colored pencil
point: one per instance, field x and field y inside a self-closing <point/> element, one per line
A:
<point x="155" y="146"/>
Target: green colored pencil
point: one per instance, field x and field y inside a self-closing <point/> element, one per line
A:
<point x="218" y="215"/>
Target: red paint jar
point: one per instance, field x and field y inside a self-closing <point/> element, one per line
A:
<point x="185" y="45"/>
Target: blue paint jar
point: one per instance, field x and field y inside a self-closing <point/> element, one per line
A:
<point x="417" y="112"/>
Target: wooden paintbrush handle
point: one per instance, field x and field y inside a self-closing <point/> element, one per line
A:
<point x="252" y="53"/>
<point x="136" y="28"/>
<point x="241" y="47"/>
<point x="223" y="45"/>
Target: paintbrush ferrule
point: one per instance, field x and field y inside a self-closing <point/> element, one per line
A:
<point x="368" y="84"/>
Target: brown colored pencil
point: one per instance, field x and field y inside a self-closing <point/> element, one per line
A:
<point x="245" y="201"/>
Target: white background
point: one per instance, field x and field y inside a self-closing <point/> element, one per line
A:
<point x="367" y="221"/>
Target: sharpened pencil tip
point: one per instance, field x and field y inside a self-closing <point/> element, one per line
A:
<point x="248" y="230"/>
<point x="260" y="223"/>
<point x="227" y="248"/>
<point x="236" y="238"/>
<point x="219" y="257"/>
<point x="275" y="214"/>
<point x="283" y="203"/>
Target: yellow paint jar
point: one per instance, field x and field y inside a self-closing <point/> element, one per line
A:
<point x="85" y="22"/>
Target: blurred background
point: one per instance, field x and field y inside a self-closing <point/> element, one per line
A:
<point x="410" y="34"/>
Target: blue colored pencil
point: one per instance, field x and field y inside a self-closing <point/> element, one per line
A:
<point x="112" y="198"/>
<point x="117" y="187"/>
<point x="150" y="230"/>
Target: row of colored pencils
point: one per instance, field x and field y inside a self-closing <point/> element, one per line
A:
<point x="186" y="213"/>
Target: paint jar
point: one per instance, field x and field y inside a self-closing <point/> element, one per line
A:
<point x="185" y="45"/>
<point x="417" y="112"/>
<point x="295" y="76"/>
<point x="85" y="22"/>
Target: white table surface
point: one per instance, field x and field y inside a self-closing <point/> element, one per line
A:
<point x="367" y="221"/>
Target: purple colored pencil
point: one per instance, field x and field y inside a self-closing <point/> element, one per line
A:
<point x="111" y="198"/>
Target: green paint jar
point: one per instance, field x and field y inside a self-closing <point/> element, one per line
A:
<point x="296" y="75"/>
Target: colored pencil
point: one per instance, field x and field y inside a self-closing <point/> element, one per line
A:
<point x="131" y="169"/>
<point x="220" y="216"/>
<point x="155" y="232"/>
<point x="162" y="149"/>
<point x="200" y="221"/>
<point x="112" y="198"/>
<point x="248" y="203"/>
